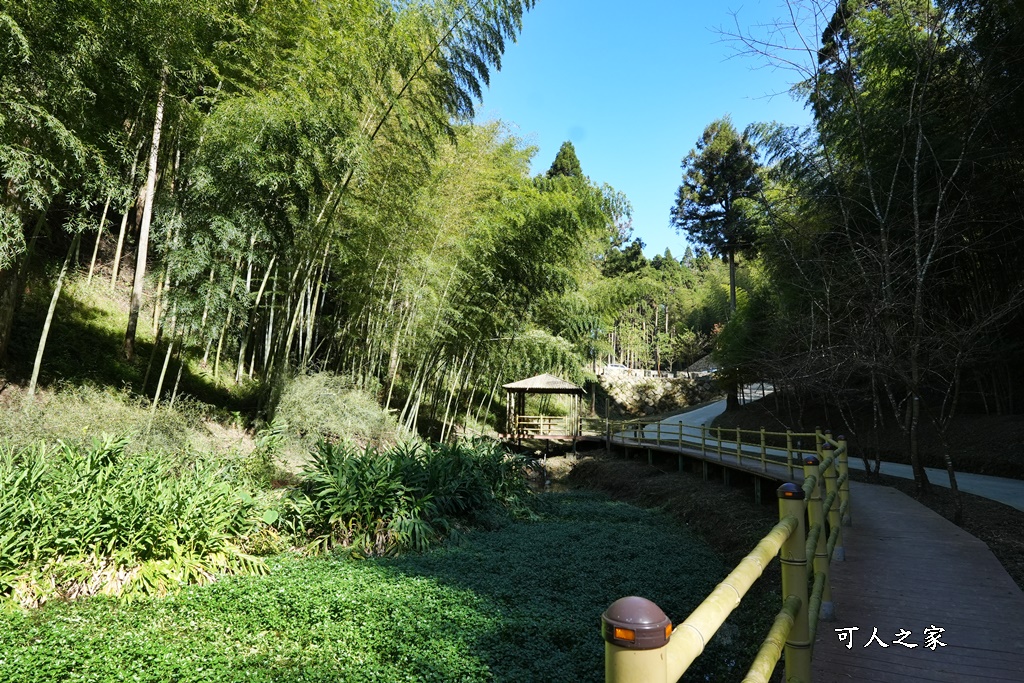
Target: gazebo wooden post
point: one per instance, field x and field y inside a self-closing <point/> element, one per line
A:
<point x="575" y="422"/>
<point x="520" y="411"/>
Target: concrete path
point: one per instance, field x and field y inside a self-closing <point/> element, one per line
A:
<point x="1007" y="491"/>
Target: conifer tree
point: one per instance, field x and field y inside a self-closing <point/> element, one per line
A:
<point x="566" y="163"/>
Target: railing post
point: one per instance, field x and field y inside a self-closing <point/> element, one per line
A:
<point x="635" y="632"/>
<point x="679" y="436"/>
<point x="719" y="432"/>
<point x="817" y="442"/>
<point x="835" y="524"/>
<point x="844" y="488"/>
<point x="789" y="452"/>
<point x="659" y="432"/>
<point x="764" y="452"/>
<point x="793" y="559"/>
<point x="816" y="517"/>
<point x="739" y="447"/>
<point x="704" y="439"/>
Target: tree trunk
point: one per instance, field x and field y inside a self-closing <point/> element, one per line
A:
<point x="49" y="317"/>
<point x="227" y="321"/>
<point x="732" y="282"/>
<point x="177" y="379"/>
<point x="12" y="285"/>
<point x="252" y="324"/>
<point x="124" y="225"/>
<point x="120" y="245"/>
<point x="147" y="218"/>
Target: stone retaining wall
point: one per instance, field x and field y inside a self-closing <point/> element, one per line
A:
<point x="642" y="396"/>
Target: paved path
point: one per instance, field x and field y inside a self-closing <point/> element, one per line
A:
<point x="1007" y="491"/>
<point x="909" y="569"/>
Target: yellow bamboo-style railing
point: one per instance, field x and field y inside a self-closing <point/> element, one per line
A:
<point x="807" y="539"/>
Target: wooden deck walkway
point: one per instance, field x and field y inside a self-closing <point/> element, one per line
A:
<point x="908" y="569"/>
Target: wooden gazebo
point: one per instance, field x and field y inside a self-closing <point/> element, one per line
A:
<point x="520" y="426"/>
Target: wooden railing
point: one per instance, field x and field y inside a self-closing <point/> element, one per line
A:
<point x="640" y="643"/>
<point x="544" y="425"/>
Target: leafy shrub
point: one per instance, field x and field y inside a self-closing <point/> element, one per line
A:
<point x="81" y="521"/>
<point x="378" y="503"/>
<point x="330" y="407"/>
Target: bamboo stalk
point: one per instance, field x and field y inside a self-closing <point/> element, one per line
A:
<point x="49" y="317"/>
<point x="99" y="234"/>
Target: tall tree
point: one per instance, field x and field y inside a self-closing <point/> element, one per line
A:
<point x="715" y="202"/>
<point x="566" y="164"/>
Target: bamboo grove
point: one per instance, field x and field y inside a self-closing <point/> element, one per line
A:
<point x="297" y="186"/>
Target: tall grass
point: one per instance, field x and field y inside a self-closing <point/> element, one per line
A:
<point x="382" y="502"/>
<point x="331" y="407"/>
<point x="77" y="414"/>
<point x="90" y="520"/>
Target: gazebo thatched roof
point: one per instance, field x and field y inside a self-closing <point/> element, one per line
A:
<point x="543" y="384"/>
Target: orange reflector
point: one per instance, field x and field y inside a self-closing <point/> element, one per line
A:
<point x="625" y="634"/>
<point x="668" y="631"/>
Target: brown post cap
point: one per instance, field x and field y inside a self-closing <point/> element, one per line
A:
<point x="790" y="490"/>
<point x="635" y="623"/>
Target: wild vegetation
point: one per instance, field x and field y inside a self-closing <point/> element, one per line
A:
<point x="95" y="520"/>
<point x="268" y="246"/>
<point x="502" y="604"/>
<point x="303" y="192"/>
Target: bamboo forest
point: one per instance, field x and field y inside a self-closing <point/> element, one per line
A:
<point x="267" y="273"/>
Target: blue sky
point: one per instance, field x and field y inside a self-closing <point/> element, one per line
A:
<point x="632" y="85"/>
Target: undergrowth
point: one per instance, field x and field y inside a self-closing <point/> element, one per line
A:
<point x="521" y="603"/>
<point x="98" y="519"/>
<point x="329" y="407"/>
<point x="95" y="520"/>
<point x="77" y="414"/>
<point x="372" y="502"/>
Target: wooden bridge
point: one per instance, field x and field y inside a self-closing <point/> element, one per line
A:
<point x="898" y="593"/>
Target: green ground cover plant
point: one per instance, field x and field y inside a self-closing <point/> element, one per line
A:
<point x="98" y="519"/>
<point x="519" y="603"/>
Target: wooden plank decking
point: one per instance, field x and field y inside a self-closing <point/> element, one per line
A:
<point x="909" y="569"/>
